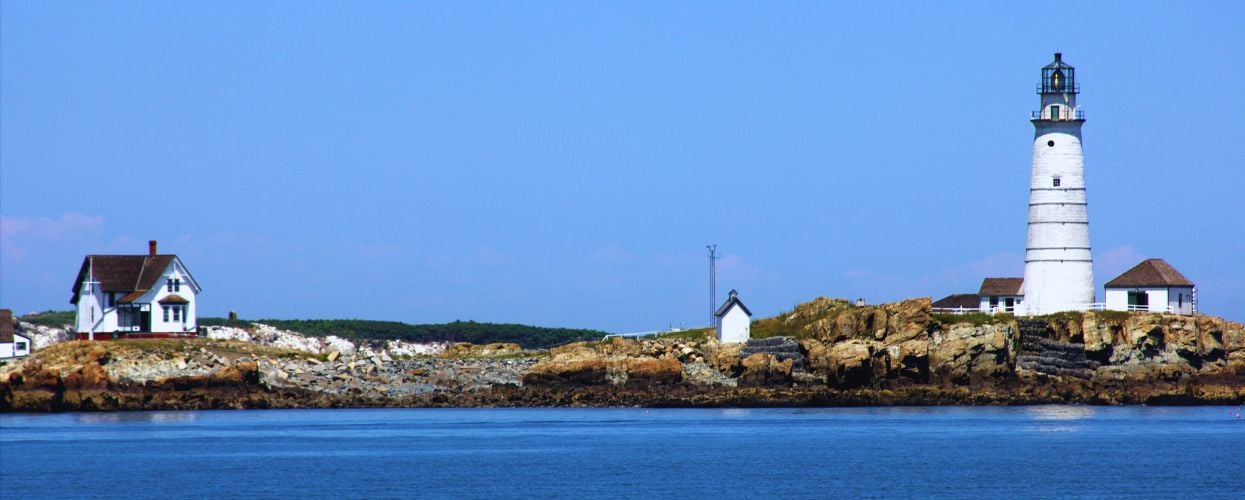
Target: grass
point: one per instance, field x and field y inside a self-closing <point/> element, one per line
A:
<point x="782" y="326"/>
<point x="975" y="319"/>
<point x="692" y="334"/>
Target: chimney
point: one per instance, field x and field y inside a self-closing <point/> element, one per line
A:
<point x="151" y="248"/>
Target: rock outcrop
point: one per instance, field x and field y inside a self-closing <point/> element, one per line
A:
<point x="825" y="352"/>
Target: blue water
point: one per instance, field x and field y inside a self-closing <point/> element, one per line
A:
<point x="1044" y="452"/>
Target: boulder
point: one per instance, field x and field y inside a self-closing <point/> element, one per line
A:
<point x="966" y="353"/>
<point x="912" y="360"/>
<point x="850" y="364"/>
<point x="765" y="369"/>
<point x="844" y="326"/>
<point x="906" y="320"/>
<point x="652" y="371"/>
<point x="726" y="359"/>
<point x="468" y="350"/>
<point x="817" y="356"/>
<point x="874" y="323"/>
<point x="699" y="373"/>
<point x="90" y="376"/>
<point x="582" y="367"/>
<point x="1099" y="335"/>
<point x="239" y="374"/>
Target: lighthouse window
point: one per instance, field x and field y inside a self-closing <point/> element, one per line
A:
<point x="1050" y="143"/>
<point x="1056" y="181"/>
<point x="1054" y="112"/>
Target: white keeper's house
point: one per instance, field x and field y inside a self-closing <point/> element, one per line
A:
<point x="135" y="296"/>
<point x="734" y="320"/>
<point x="1153" y="285"/>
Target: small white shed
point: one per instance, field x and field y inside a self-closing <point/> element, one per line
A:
<point x="1153" y="285"/>
<point x="1001" y="294"/>
<point x="734" y="320"/>
<point x="12" y="344"/>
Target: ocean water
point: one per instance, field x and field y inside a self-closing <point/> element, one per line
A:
<point x="1015" y="452"/>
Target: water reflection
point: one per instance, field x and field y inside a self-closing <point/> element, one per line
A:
<point x="136" y="416"/>
<point x="1060" y="412"/>
<point x="1059" y="418"/>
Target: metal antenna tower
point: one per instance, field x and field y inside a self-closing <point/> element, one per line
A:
<point x="713" y="284"/>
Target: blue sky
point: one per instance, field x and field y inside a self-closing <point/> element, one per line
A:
<point x="564" y="164"/>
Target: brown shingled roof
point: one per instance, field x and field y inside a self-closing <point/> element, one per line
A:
<point x="958" y="301"/>
<point x="1001" y="286"/>
<point x="1150" y="272"/>
<point x="6" y="325"/>
<point x="122" y="273"/>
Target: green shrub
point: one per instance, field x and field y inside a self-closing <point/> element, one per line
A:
<point x="529" y="337"/>
<point x="51" y="318"/>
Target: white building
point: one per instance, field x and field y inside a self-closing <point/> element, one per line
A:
<point x="1058" y="264"/>
<point x="12" y="344"/>
<point x="135" y="296"/>
<point x="734" y="320"/>
<point x="1153" y="285"/>
<point x="1001" y="295"/>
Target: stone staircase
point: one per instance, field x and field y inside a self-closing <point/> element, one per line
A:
<point x="781" y="348"/>
<point x="1040" y="353"/>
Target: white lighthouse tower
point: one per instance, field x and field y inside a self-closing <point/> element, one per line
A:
<point x="1059" y="272"/>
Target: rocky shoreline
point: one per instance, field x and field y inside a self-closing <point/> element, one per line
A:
<point x="831" y="353"/>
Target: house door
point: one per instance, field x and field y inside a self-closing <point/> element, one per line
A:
<point x="146" y="321"/>
<point x="1138" y="301"/>
<point x="1009" y="304"/>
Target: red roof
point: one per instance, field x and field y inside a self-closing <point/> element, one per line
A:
<point x="1150" y="272"/>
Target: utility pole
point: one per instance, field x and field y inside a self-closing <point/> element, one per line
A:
<point x="713" y="284"/>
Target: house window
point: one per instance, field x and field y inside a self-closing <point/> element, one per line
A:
<point x="1180" y="300"/>
<point x="169" y="284"/>
<point x="177" y="285"/>
<point x="166" y="312"/>
<point x="20" y="346"/>
<point x="1055" y="181"/>
<point x="112" y="300"/>
<point x="177" y="313"/>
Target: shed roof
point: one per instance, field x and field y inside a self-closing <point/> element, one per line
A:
<point x="1150" y="272"/>
<point x="6" y="325"/>
<point x="732" y="300"/>
<point x="1002" y="286"/>
<point x="958" y="301"/>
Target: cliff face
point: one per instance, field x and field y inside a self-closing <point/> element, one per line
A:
<point x="824" y="352"/>
<point x="902" y="353"/>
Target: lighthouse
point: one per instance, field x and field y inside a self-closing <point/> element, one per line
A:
<point x="1059" y="272"/>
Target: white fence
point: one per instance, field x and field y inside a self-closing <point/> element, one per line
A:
<point x="636" y="335"/>
<point x="1024" y="311"/>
